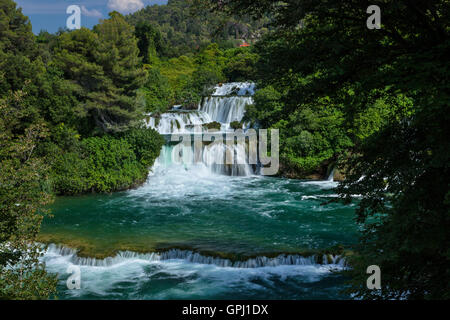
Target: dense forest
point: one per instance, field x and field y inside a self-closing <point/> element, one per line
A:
<point x="372" y="103"/>
<point x="377" y="101"/>
<point x="182" y="28"/>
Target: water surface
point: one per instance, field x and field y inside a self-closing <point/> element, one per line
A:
<point x="220" y="216"/>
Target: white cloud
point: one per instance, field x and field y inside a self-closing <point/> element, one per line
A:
<point x="91" y="13"/>
<point x="125" y="6"/>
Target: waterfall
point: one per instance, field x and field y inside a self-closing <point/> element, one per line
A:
<point x="177" y="121"/>
<point x="228" y="102"/>
<point x="225" y="105"/>
<point x="235" y="88"/>
<point x="213" y="157"/>
<point x="225" y="109"/>
<point x="331" y="175"/>
<point x="335" y="261"/>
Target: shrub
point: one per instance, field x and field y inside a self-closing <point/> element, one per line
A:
<point x="213" y="125"/>
<point x="236" y="125"/>
<point x="105" y="164"/>
<point x="146" y="144"/>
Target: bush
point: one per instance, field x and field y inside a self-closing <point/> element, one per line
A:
<point x="105" y="164"/>
<point x="240" y="64"/>
<point x="146" y="144"/>
<point x="156" y="93"/>
<point x="213" y="125"/>
<point x="236" y="125"/>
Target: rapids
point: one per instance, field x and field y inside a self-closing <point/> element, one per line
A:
<point x="203" y="229"/>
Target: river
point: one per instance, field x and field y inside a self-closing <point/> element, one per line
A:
<point x="191" y="232"/>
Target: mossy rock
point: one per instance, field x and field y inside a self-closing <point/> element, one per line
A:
<point x="213" y="125"/>
<point x="338" y="176"/>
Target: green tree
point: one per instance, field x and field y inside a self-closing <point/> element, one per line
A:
<point x="188" y="27"/>
<point x="240" y="65"/>
<point x="157" y="93"/>
<point x="23" y="174"/>
<point x="209" y="65"/>
<point x="74" y="56"/>
<point x="101" y="164"/>
<point x="105" y="66"/>
<point x="18" y="49"/>
<point x="392" y="90"/>
<point x="150" y="42"/>
<point x="114" y="105"/>
<point x="23" y="193"/>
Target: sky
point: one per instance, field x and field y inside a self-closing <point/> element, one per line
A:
<point x="50" y="15"/>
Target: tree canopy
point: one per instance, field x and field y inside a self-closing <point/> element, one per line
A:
<point x="377" y="101"/>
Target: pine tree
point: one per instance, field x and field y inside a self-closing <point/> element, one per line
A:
<point x="18" y="49"/>
<point x="114" y="106"/>
<point x="105" y="66"/>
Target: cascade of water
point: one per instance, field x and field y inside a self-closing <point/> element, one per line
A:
<point x="336" y="261"/>
<point x="225" y="109"/>
<point x="227" y="104"/>
<point x="177" y="121"/>
<point x="235" y="88"/>
<point x="331" y="176"/>
<point x="213" y="157"/>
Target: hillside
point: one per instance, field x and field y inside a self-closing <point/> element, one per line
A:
<point x="186" y="28"/>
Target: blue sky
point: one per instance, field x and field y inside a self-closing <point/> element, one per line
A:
<point x="50" y="15"/>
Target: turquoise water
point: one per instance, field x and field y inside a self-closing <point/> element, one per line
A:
<point x="235" y="218"/>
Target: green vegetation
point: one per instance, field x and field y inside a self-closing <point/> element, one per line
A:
<point x="104" y="164"/>
<point x="23" y="192"/>
<point x="23" y="175"/>
<point x="189" y="76"/>
<point x="187" y="49"/>
<point x="73" y="105"/>
<point x="240" y="65"/>
<point x="69" y="124"/>
<point x="88" y="88"/>
<point x="105" y="69"/>
<point x="181" y="28"/>
<point x="213" y="125"/>
<point x="377" y="102"/>
<point x="185" y="80"/>
<point x="236" y="125"/>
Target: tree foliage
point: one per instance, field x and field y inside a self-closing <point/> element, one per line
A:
<point x="23" y="193"/>
<point x="185" y="27"/>
<point x="23" y="175"/>
<point x="378" y="100"/>
<point x="69" y="124"/>
<point x="104" y="164"/>
<point x="105" y="66"/>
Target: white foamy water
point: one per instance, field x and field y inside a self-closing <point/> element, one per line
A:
<point x="332" y="261"/>
<point x="225" y="109"/>
<point x="235" y="88"/>
<point x="142" y="276"/>
<point x="184" y="274"/>
<point x="178" y="121"/>
<point x="227" y="104"/>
